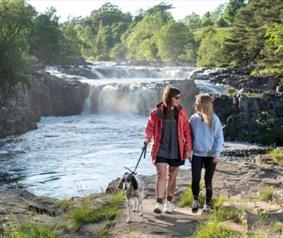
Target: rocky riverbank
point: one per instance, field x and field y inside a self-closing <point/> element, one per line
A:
<point x="252" y="192"/>
<point x="47" y="95"/>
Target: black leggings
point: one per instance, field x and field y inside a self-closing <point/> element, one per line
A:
<point x="197" y="164"/>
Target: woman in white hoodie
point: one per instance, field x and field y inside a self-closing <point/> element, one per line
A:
<point x="207" y="145"/>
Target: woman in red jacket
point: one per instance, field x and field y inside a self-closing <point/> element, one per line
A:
<point x="169" y="128"/>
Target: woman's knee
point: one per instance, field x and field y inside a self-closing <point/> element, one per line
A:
<point x="161" y="171"/>
<point x="173" y="172"/>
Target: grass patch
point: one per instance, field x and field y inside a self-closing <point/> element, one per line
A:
<point x="263" y="216"/>
<point x="32" y="230"/>
<point x="265" y="195"/>
<point x="215" y="230"/>
<point x="214" y="226"/>
<point x="277" y="227"/>
<point x="187" y="198"/>
<point x="229" y="213"/>
<point x="103" y="229"/>
<point x="64" y="204"/>
<point x="217" y="203"/>
<point x="277" y="156"/>
<point x="108" y="210"/>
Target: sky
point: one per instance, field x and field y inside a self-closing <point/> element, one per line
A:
<point x="76" y="8"/>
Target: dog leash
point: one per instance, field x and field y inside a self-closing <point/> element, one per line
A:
<point x="143" y="153"/>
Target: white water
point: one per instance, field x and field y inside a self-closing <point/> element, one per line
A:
<point x="78" y="155"/>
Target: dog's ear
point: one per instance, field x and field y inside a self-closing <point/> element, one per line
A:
<point x="120" y="184"/>
<point x="134" y="182"/>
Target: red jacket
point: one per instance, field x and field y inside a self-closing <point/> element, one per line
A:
<point x="154" y="131"/>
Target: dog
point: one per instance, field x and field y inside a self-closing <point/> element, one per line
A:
<point x="133" y="186"/>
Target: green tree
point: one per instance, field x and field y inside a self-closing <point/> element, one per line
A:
<point x="207" y="20"/>
<point x="174" y="40"/>
<point x="271" y="60"/>
<point x="101" y="48"/>
<point x="211" y="52"/>
<point x="15" y="23"/>
<point x="192" y="21"/>
<point x="248" y="36"/>
<point x="71" y="34"/>
<point x="217" y="16"/>
<point x="46" y="37"/>
<point x="111" y="16"/>
<point x="232" y="9"/>
<point x="161" y="9"/>
<point x="104" y="27"/>
<point x="143" y="34"/>
<point x="118" y="52"/>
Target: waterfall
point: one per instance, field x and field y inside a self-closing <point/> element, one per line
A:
<point x="135" y="89"/>
<point x="121" y="98"/>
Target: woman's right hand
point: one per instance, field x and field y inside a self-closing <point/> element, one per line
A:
<point x="146" y="141"/>
<point x="216" y="160"/>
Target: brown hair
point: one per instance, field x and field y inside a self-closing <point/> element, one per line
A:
<point x="168" y="94"/>
<point x="206" y="108"/>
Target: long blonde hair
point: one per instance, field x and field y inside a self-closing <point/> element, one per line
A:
<point x="206" y="108"/>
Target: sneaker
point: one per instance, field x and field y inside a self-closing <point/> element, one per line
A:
<point x="169" y="207"/>
<point x="195" y="206"/>
<point x="158" y="208"/>
<point x="206" y="208"/>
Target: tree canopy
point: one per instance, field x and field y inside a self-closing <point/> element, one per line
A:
<point x="239" y="33"/>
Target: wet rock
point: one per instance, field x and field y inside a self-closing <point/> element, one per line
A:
<point x="272" y="182"/>
<point x="45" y="207"/>
<point x="247" y="117"/>
<point x="240" y="78"/>
<point x="112" y="186"/>
<point x="279" y="89"/>
<point x="278" y="195"/>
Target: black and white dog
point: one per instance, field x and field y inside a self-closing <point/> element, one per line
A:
<point x="133" y="186"/>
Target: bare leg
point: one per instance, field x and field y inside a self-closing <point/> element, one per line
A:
<point x="173" y="172"/>
<point x="161" y="169"/>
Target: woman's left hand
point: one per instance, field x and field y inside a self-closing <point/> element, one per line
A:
<point x="216" y="160"/>
<point x="188" y="156"/>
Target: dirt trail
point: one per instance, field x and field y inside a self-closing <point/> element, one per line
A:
<point x="181" y="222"/>
<point x="237" y="182"/>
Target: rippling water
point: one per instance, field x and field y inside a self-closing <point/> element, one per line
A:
<point x="75" y="155"/>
